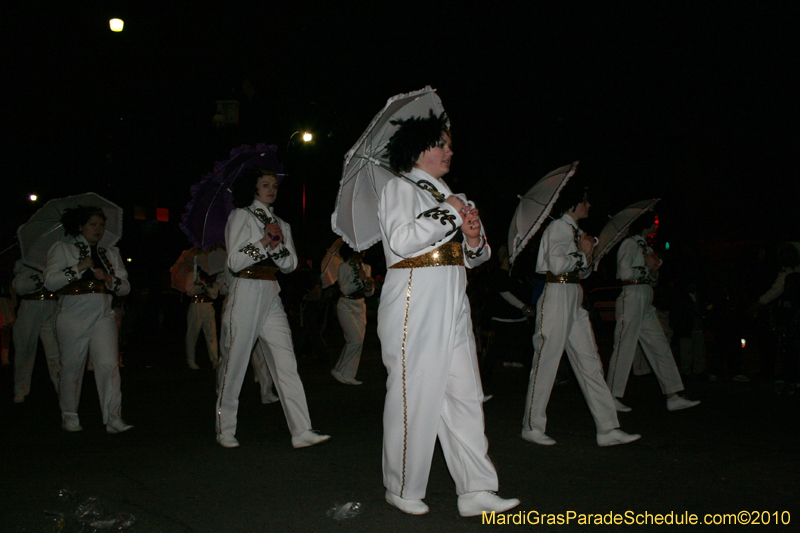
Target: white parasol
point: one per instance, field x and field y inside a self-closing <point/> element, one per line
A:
<point x="44" y="228"/>
<point x="366" y="168"/>
<point x="534" y="206"/>
<point x="617" y="227"/>
<point x="330" y="264"/>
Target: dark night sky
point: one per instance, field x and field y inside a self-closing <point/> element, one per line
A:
<point x="697" y="106"/>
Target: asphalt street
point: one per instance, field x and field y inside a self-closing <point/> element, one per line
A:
<point x="737" y="451"/>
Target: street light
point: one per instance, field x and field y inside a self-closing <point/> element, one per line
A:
<point x="307" y="137"/>
<point x="33" y="197"/>
<point x="116" y="24"/>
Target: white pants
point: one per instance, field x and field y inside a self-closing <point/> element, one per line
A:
<point x="353" y="319"/>
<point x="258" y="360"/>
<point x="564" y="324"/>
<point x="34" y="321"/>
<point x="201" y="316"/>
<point x="433" y="387"/>
<point x="637" y="323"/>
<point x="255" y="312"/>
<point x="86" y="324"/>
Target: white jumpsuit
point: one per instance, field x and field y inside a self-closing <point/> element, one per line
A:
<point x="428" y="348"/>
<point x="637" y="323"/>
<point x="352" y="313"/>
<point x="85" y="323"/>
<point x="34" y="321"/>
<point x="564" y="324"/>
<point x="201" y="316"/>
<point x="254" y="312"/>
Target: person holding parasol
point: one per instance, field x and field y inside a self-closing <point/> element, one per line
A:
<point x="85" y="274"/>
<point x="258" y="244"/>
<point x="637" y="268"/>
<point x="433" y="387"/>
<point x="565" y="257"/>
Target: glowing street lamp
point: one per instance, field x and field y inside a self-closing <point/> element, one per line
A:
<point x="307" y="137"/>
<point x="33" y="197"/>
<point x="116" y="25"/>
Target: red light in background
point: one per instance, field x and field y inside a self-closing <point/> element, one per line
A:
<point x="162" y="214"/>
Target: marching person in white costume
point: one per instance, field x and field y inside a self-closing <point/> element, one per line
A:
<point x="565" y="257"/>
<point x="637" y="323"/>
<point x="356" y="283"/>
<point x="85" y="274"/>
<point x="258" y="244"/>
<point x="433" y="387"/>
<point x="34" y="321"/>
<point x="201" y="316"/>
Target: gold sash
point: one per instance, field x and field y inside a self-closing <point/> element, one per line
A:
<point x="566" y="277"/>
<point x="448" y="254"/>
<point x="84" y="286"/>
<point x="257" y="272"/>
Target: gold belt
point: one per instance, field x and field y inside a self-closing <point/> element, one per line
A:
<point x="567" y="277"/>
<point x="93" y="286"/>
<point x="201" y="299"/>
<point x="41" y="295"/>
<point x="257" y="272"/>
<point x="634" y="282"/>
<point x="448" y="254"/>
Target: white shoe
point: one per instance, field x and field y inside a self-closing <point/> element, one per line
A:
<point x="339" y="377"/>
<point x="354" y="381"/>
<point x="270" y="397"/>
<point x="309" y="438"/>
<point x="227" y="440"/>
<point x="537" y="436"/>
<point x="476" y="503"/>
<point x="117" y="425"/>
<point x="487" y="397"/>
<point x="193" y="366"/>
<point x="676" y="403"/>
<point x="615" y="437"/>
<point x="621" y="407"/>
<point x="415" y="507"/>
<point x="71" y="423"/>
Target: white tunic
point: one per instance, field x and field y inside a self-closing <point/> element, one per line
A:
<point x="637" y="323"/>
<point x="428" y="348"/>
<point x="563" y="324"/>
<point x="253" y="311"/>
<point x="86" y="322"/>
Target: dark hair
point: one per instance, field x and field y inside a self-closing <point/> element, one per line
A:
<point x="244" y="188"/>
<point x="415" y="135"/>
<point x="642" y="223"/>
<point x="74" y="218"/>
<point x="573" y="193"/>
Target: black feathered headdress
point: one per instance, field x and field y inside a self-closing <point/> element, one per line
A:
<point x="415" y="135"/>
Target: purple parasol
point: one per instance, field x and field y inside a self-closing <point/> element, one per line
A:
<point x="207" y="212"/>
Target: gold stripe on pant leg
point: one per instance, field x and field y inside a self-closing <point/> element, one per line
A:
<point x="405" y="398"/>
<point x="541" y="349"/>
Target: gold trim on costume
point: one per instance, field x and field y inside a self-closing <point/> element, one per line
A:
<point x="448" y="254"/>
<point x="257" y="272"/>
<point x="538" y="359"/>
<point x="566" y="277"/>
<point x="618" y="343"/>
<point x="93" y="286"/>
<point x="405" y="398"/>
<point x="634" y="282"/>
<point x="39" y="295"/>
<point x="201" y="299"/>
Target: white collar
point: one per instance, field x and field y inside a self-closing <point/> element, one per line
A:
<point x="258" y="205"/>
